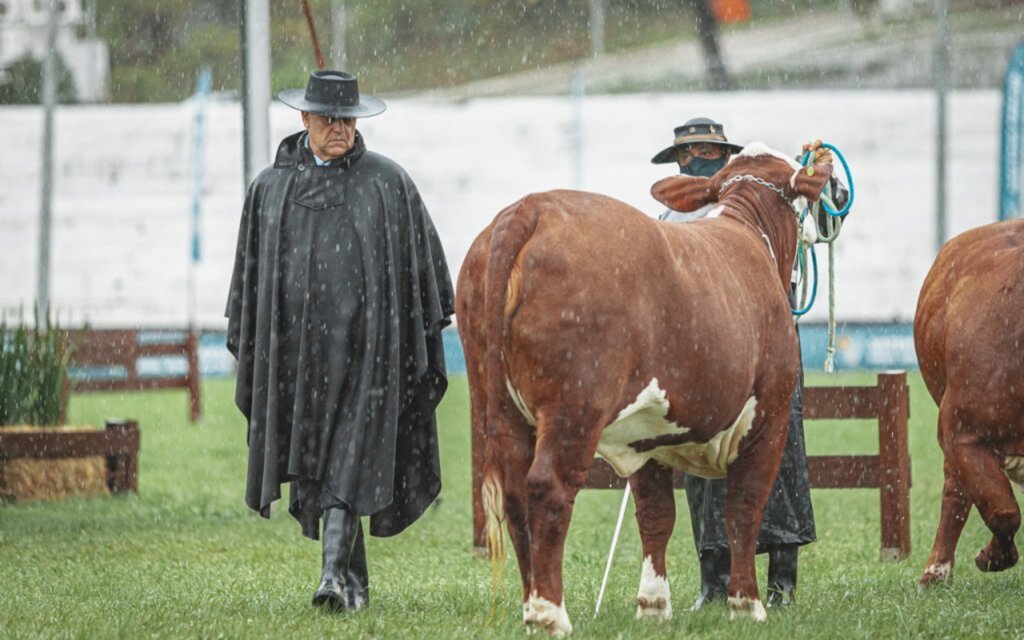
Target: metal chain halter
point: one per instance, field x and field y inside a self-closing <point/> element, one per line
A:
<point x="746" y="177"/>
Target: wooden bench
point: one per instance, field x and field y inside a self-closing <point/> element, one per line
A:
<point x="110" y="359"/>
<point x="888" y="402"/>
<point x="118" y="443"/>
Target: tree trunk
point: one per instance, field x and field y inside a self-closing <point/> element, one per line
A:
<point x="707" y="30"/>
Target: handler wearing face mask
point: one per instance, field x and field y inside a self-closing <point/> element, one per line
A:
<point x="700" y="148"/>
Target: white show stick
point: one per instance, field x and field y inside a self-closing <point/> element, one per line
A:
<point x="611" y="552"/>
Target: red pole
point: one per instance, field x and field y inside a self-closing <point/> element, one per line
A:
<point x="312" y="34"/>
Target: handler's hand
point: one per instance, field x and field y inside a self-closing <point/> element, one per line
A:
<point x="820" y="154"/>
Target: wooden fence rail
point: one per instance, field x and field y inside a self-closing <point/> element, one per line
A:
<point x="888" y="402"/>
<point x="110" y="360"/>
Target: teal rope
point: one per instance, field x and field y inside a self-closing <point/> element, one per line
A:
<point x="803" y="277"/>
<point x="834" y="225"/>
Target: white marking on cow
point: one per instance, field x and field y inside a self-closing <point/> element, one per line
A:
<point x="770" y="250"/>
<point x="758" y="148"/>
<point x="940" y="571"/>
<point x="544" y="613"/>
<point x="1013" y="466"/>
<point x="715" y="211"/>
<point x="645" y="419"/>
<point x="653" y="599"/>
<point x="517" y="399"/>
<point x="808" y="230"/>
<point x="744" y="607"/>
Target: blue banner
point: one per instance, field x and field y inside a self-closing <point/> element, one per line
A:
<point x="1013" y="129"/>
<point x="860" y="346"/>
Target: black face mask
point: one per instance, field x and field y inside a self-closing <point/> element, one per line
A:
<point x="703" y="167"/>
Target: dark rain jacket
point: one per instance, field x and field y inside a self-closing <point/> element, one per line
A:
<point x="338" y="297"/>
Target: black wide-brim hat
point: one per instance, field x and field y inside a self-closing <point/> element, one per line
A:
<point x="695" y="130"/>
<point x="335" y="94"/>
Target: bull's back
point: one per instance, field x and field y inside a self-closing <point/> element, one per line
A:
<point x="608" y="298"/>
<point x="968" y="326"/>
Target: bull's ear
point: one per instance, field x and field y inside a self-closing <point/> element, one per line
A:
<point x="683" y="193"/>
<point x="809" y="181"/>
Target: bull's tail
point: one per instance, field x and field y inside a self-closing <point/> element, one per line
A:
<point x="513" y="228"/>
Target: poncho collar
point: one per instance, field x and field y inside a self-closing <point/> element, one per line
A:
<point x="292" y="152"/>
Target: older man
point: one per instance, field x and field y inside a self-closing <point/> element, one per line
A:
<point x="338" y="297"/>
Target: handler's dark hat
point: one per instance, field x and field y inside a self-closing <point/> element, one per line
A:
<point x="332" y="93"/>
<point x="695" y="130"/>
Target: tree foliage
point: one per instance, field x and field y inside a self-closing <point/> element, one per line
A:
<point x="22" y="82"/>
<point x="158" y="46"/>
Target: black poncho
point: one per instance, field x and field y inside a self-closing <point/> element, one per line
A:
<point x="338" y="297"/>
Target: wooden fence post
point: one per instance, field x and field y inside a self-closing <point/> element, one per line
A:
<point x="195" y="410"/>
<point x="122" y="456"/>
<point x="894" y="464"/>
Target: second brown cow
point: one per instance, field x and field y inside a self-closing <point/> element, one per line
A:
<point x="590" y="328"/>
<point x="969" y="336"/>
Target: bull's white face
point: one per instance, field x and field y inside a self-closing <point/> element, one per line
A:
<point x="755" y="149"/>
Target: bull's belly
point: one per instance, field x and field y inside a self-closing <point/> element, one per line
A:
<point x="644" y="419"/>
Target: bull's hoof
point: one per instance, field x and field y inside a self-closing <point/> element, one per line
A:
<point x="653" y="607"/>
<point x="989" y="559"/>
<point x="743" y="607"/>
<point x="653" y="599"/>
<point x="540" y="613"/>
<point x="935" y="574"/>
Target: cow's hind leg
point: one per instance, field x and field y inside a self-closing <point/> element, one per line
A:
<point x="565" y="450"/>
<point x="955" y="509"/>
<point x="750" y="480"/>
<point x="980" y="472"/>
<point x="517" y="454"/>
<point x="655" y="517"/>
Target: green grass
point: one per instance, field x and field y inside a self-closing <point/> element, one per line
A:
<point x="184" y="558"/>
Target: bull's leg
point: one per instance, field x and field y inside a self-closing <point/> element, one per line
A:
<point x="980" y="472"/>
<point x="517" y="450"/>
<point x="655" y="517"/>
<point x="750" y="480"/>
<point x="955" y="509"/>
<point x="558" y="472"/>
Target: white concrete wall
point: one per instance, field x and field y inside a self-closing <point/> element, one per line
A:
<point x="122" y="201"/>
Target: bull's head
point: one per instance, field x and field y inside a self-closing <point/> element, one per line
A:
<point x="757" y="163"/>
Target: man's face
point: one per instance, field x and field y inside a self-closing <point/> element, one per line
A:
<point x="329" y="138"/>
<point x="706" y="150"/>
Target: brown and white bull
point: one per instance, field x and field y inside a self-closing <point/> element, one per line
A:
<point x="589" y="327"/>
<point x="969" y="336"/>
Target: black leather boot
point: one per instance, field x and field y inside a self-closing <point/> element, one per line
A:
<point x="714" y="577"/>
<point x="357" y="579"/>
<point x="340" y="530"/>
<point x="782" y="574"/>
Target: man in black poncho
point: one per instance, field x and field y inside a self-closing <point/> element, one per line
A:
<point x="700" y="148"/>
<point x="338" y="297"/>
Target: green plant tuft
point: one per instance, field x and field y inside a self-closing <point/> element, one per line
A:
<point x="33" y="366"/>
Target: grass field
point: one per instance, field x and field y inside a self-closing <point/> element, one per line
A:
<point x="186" y="559"/>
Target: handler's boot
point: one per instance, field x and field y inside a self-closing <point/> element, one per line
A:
<point x="714" y="577"/>
<point x="782" y="574"/>
<point x="340" y="529"/>
<point x="357" y="579"/>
